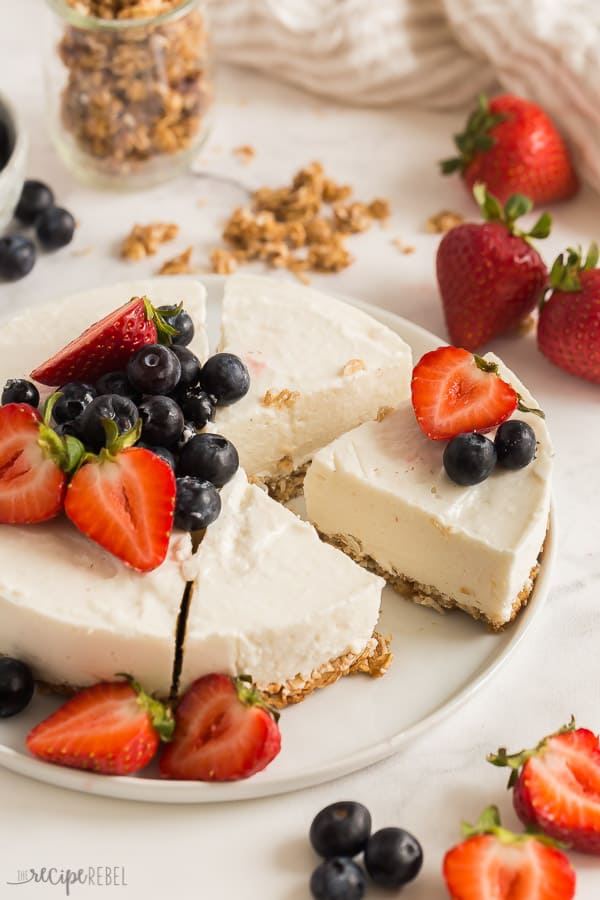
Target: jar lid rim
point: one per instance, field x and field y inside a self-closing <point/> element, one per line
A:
<point x="93" y="23"/>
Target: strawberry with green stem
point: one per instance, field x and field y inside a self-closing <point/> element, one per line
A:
<point x="114" y="728"/>
<point x="512" y="146"/>
<point x="124" y="499"/>
<point x="569" y="324"/>
<point x="34" y="464"/>
<point x="556" y="786"/>
<point x="107" y="345"/>
<point x="489" y="275"/>
<point x="492" y="862"/>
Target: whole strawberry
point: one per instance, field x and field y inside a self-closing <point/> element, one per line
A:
<point x="512" y="146"/>
<point x="492" y="863"/>
<point x="569" y="325"/>
<point x="556" y="786"/>
<point x="489" y="275"/>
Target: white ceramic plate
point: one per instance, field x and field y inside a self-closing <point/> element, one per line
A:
<point x="440" y="662"/>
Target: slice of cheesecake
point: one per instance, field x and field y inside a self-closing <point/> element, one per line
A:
<point x="318" y="367"/>
<point x="381" y="494"/>
<point x="272" y="601"/>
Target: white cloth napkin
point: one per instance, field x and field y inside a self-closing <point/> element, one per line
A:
<point x="438" y="54"/>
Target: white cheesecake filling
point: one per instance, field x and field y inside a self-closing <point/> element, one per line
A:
<point x="28" y="339"/>
<point x="384" y="485"/>
<point x="318" y="367"/>
<point x="77" y="615"/>
<point x="270" y="599"/>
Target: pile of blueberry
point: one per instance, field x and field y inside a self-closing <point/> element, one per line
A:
<point x="54" y="228"/>
<point x="175" y="396"/>
<point x="392" y="856"/>
<point x="469" y="458"/>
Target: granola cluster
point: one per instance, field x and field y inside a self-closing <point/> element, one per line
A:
<point x="287" y="227"/>
<point x="144" y="240"/>
<point x="134" y="93"/>
<point x="443" y="221"/>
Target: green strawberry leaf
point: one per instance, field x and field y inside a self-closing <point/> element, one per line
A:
<point x="475" y="138"/>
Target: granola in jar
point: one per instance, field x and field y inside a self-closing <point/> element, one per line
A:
<point x="130" y="87"/>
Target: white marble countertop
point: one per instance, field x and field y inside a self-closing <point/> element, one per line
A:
<point x="259" y="849"/>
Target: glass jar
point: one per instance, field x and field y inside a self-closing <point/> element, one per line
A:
<point x="129" y="87"/>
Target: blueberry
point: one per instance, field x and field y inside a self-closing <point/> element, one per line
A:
<point x="210" y="457"/>
<point x="190" y="367"/>
<point x="197" y="505"/>
<point x="341" y="829"/>
<point x="75" y="397"/>
<point x="107" y="406"/>
<point x="161" y="452"/>
<point x="515" y="444"/>
<point x="183" y="323"/>
<point x="189" y="430"/>
<point x="469" y="458"/>
<point x="162" y="421"/>
<point x="18" y="390"/>
<point x="16" y="686"/>
<point x="117" y="383"/>
<point x="55" y="228"/>
<point x="226" y="377"/>
<point x="154" y="369"/>
<point x="35" y="198"/>
<point x="17" y="257"/>
<point x="393" y="857"/>
<point x="338" y="879"/>
<point x="198" y="406"/>
<point x="72" y="427"/>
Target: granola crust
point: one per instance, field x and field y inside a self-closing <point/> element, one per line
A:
<point x="374" y="660"/>
<point x="285" y="485"/>
<point x="424" y="594"/>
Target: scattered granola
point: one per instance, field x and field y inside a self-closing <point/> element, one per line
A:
<point x="352" y="366"/>
<point x="402" y="247"/>
<point x="134" y="93"/>
<point x="443" y="221"/>
<point x="286" y="227"/>
<point x="245" y="153"/>
<point x="407" y="249"/>
<point x="144" y="240"/>
<point x="280" y="399"/>
<point x="178" y="265"/>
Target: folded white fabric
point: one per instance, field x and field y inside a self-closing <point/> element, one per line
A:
<point x="437" y="54"/>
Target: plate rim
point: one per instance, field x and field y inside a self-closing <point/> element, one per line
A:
<point x="156" y="790"/>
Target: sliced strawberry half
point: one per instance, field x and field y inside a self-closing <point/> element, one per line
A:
<point x="107" y="345"/>
<point x="495" y="864"/>
<point x="113" y="728"/>
<point x="33" y="465"/>
<point x="454" y="391"/>
<point x="124" y="500"/>
<point x="557" y="786"/>
<point x="223" y="732"/>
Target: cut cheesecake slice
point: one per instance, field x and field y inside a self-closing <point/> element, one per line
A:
<point x="272" y="601"/>
<point x="76" y="615"/>
<point x="381" y="494"/>
<point x="318" y="367"/>
<point x="39" y="331"/>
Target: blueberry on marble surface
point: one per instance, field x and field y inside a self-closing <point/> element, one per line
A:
<point x="17" y="257"/>
<point x="341" y="829"/>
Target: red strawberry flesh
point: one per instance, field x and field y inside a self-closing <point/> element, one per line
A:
<point x="452" y="395"/>
<point x="103" y="347"/>
<point x="32" y="486"/>
<point x="483" y="867"/>
<point x="217" y="736"/>
<point x="558" y="790"/>
<point x="103" y="728"/>
<point x="126" y="504"/>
